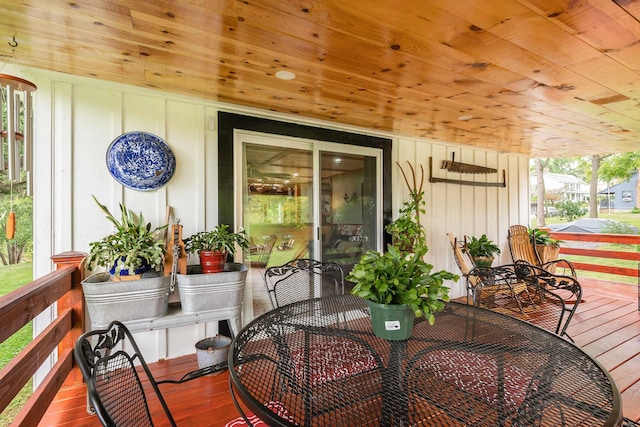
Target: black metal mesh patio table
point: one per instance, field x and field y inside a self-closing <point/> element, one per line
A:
<point x="317" y="363"/>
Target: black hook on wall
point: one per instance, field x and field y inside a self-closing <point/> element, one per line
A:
<point x="14" y="44"/>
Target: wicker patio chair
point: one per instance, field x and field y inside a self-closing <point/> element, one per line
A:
<point x="108" y="359"/>
<point x="523" y="248"/>
<point x="484" y="286"/>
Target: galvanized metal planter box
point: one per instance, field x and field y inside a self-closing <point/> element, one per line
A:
<point x="125" y="300"/>
<point x="211" y="291"/>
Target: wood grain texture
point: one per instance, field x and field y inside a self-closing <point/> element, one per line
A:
<point x="606" y="326"/>
<point x="540" y="78"/>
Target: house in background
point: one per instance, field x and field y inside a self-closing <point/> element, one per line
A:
<point x="623" y="196"/>
<point x="564" y="187"/>
<point x="568" y="187"/>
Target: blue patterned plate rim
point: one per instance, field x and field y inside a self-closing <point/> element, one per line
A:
<point x="140" y="161"/>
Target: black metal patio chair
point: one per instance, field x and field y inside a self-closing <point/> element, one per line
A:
<point x="301" y="279"/>
<point x="555" y="297"/>
<point x="116" y="375"/>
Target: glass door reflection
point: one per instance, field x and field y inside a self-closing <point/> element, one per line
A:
<point x="278" y="209"/>
<point x="349" y="207"/>
<point x="305" y="199"/>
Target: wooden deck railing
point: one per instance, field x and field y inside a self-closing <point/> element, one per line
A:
<point x="595" y="254"/>
<point x="19" y="308"/>
<point x="63" y="286"/>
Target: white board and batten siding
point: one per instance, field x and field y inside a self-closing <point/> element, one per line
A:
<point x="77" y="118"/>
<point x="464" y="209"/>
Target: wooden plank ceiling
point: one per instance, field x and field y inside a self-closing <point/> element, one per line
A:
<point x="545" y="78"/>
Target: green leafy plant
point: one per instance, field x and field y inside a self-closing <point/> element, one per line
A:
<point x="133" y="245"/>
<point x="618" y="227"/>
<point x="482" y="247"/>
<point x="399" y="278"/>
<point x="571" y="210"/>
<point x="482" y="250"/>
<point x="218" y="239"/>
<point x="406" y="230"/>
<point x="542" y="237"/>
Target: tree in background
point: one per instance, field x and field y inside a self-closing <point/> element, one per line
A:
<point x="13" y="251"/>
<point x="610" y="167"/>
<point x="570" y="210"/>
<point x="594" y="169"/>
<point x="619" y="166"/>
<point x="540" y="164"/>
<point x="593" y="187"/>
<point x="566" y="166"/>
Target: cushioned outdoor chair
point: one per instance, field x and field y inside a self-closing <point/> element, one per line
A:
<point x="483" y="290"/>
<point x="523" y="248"/>
<point x="302" y="279"/>
<point x="114" y="371"/>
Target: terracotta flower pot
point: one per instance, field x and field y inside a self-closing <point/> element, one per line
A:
<point x="212" y="261"/>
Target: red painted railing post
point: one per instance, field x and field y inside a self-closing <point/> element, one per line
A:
<point x="74" y="301"/>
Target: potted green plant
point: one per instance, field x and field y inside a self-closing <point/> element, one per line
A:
<point x="482" y="250"/>
<point x="547" y="247"/>
<point x="399" y="287"/>
<point x="132" y="249"/>
<point x="406" y="229"/>
<point x="134" y="246"/>
<point x="199" y="290"/>
<point x="214" y="246"/>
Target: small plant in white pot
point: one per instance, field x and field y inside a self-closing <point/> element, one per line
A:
<point x="214" y="246"/>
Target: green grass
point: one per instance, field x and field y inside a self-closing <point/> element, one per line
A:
<point x="11" y="278"/>
<point x="278" y="257"/>
<point x="626" y="217"/>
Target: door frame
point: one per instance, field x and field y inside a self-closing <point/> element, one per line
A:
<point x="315" y="148"/>
<point x="229" y="122"/>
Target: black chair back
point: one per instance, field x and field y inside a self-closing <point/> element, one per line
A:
<point x="302" y="279"/>
<point x="108" y="359"/>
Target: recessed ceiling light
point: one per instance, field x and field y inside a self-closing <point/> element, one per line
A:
<point x="285" y="75"/>
<point x="465" y="117"/>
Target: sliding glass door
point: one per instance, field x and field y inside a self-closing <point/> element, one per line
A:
<point x="318" y="200"/>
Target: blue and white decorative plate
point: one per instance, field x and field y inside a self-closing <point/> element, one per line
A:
<point x="140" y="161"/>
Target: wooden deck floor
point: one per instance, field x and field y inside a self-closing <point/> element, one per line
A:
<point x="606" y="326"/>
